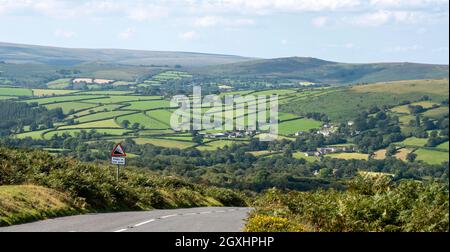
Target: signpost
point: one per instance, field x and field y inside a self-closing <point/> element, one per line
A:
<point x="118" y="158"/>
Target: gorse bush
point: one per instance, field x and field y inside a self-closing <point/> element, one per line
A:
<point x="96" y="185"/>
<point x="371" y="204"/>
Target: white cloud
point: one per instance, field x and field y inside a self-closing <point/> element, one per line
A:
<point x="284" y="42"/>
<point x="61" y="33"/>
<point x="213" y="21"/>
<point x="270" y="6"/>
<point x="128" y="33"/>
<point x="383" y="17"/>
<point x="408" y="3"/>
<point x="320" y="21"/>
<point x="147" y="13"/>
<point x="190" y="35"/>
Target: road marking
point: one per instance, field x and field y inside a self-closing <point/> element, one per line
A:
<point x="209" y="212"/>
<point x="190" y="214"/>
<point x="143" y="223"/>
<point x="168" y="216"/>
<point x="120" y="230"/>
<point x="221" y="211"/>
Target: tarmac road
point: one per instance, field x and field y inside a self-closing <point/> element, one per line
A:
<point x="207" y="219"/>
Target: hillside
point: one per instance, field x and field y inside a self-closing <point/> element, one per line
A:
<point x="345" y="103"/>
<point x="35" y="185"/>
<point x="320" y="71"/>
<point x="31" y="54"/>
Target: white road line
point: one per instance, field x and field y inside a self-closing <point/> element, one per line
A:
<point x="209" y="212"/>
<point x="120" y="230"/>
<point x="189" y="214"/>
<point x="221" y="211"/>
<point x="168" y="216"/>
<point x="143" y="223"/>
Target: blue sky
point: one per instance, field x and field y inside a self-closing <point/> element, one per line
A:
<point x="340" y="30"/>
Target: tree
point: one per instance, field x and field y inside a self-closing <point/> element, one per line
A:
<point x="135" y="126"/>
<point x="411" y="157"/>
<point x="391" y="151"/>
<point x="198" y="139"/>
<point x="126" y="124"/>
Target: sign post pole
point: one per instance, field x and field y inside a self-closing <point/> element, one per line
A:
<point x="118" y="172"/>
<point x="118" y="158"/>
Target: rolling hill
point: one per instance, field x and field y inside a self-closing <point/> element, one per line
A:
<point x="32" y="54"/>
<point x="321" y="71"/>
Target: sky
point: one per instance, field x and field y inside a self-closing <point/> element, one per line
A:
<point x="353" y="31"/>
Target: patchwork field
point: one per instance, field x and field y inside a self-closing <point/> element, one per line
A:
<point x="432" y="156"/>
<point x="147" y="118"/>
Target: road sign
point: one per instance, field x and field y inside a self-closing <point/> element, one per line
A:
<point x="118" y="158"/>
<point x="118" y="151"/>
<point x="118" y="161"/>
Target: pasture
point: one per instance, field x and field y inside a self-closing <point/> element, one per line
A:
<point x="164" y="143"/>
<point x="67" y="107"/>
<point x="10" y="91"/>
<point x="432" y="156"/>
<point x="413" y="142"/>
<point x="59" y="84"/>
<point x="109" y="123"/>
<point x="291" y="127"/>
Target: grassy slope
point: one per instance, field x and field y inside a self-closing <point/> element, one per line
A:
<point x="345" y="103"/>
<point x="320" y="71"/>
<point x="19" y="203"/>
<point x="94" y="187"/>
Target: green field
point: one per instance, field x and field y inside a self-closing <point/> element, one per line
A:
<point x="437" y="113"/>
<point x="414" y="142"/>
<point x="279" y="92"/>
<point x="148" y="105"/>
<point x="59" y="84"/>
<point x="165" y="143"/>
<point x="302" y="155"/>
<point x="404" y="109"/>
<point x="69" y="106"/>
<point x="443" y="146"/>
<point x="9" y="91"/>
<point x="34" y="134"/>
<point x="292" y="127"/>
<point x="123" y="98"/>
<point x="145" y="121"/>
<point x="104" y="108"/>
<point x="214" y="145"/>
<point x="61" y="99"/>
<point x="109" y="123"/>
<point x="431" y="156"/>
<point x="101" y="116"/>
<point x="74" y="132"/>
<point x="109" y="92"/>
<point x="7" y="97"/>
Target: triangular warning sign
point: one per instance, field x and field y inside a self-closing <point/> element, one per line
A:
<point x="118" y="151"/>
